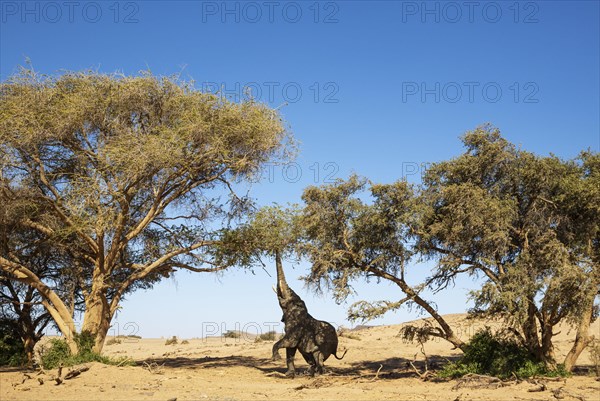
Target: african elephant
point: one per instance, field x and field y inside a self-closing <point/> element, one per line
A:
<point x="315" y="339"/>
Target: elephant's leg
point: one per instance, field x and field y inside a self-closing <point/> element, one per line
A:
<point x="276" y="347"/>
<point x="310" y="359"/>
<point x="318" y="357"/>
<point x="285" y="342"/>
<point x="290" y="353"/>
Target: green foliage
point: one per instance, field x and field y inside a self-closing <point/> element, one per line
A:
<point x="58" y="353"/>
<point x="527" y="226"/>
<point x="497" y="355"/>
<point x="172" y="341"/>
<point x="12" y="351"/>
<point x="270" y="229"/>
<point x="85" y="342"/>
<point x="147" y="160"/>
<point x="348" y="236"/>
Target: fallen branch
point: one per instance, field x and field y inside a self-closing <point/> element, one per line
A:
<point x="423" y="376"/>
<point x="377" y="373"/>
<point x="316" y="383"/>
<point x="538" y="389"/>
<point x="58" y="379"/>
<point x="479" y="381"/>
<point x="540" y="386"/>
<point x="76" y="372"/>
<point x="124" y="361"/>
<point x="549" y="379"/>
<point x="154" y="368"/>
<point x="561" y="392"/>
<point x="363" y="378"/>
<point x="426" y="374"/>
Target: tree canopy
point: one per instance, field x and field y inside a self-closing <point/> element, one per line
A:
<point x="526" y="225"/>
<point x="132" y="174"/>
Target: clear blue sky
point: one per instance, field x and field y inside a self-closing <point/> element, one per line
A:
<point x="372" y="87"/>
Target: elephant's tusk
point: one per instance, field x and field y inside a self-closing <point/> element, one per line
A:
<point x="274" y="289"/>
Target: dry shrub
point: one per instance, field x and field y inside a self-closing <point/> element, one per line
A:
<point x="268" y="336"/>
<point x="113" y="341"/>
<point x="172" y="341"/>
<point x="344" y="332"/>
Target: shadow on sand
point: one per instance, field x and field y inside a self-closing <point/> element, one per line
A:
<point x="391" y="368"/>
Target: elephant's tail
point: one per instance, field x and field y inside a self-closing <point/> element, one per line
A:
<point x="339" y="358"/>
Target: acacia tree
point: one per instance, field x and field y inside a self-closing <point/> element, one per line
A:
<point x="130" y="172"/>
<point x="528" y="225"/>
<point x="346" y="238"/>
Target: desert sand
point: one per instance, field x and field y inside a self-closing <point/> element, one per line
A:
<point x="376" y="367"/>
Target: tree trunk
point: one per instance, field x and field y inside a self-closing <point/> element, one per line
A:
<point x="546" y="351"/>
<point x="582" y="339"/>
<point x="28" y="333"/>
<point x="97" y="319"/>
<point x="51" y="301"/>
<point x="29" y="344"/>
<point x="530" y="331"/>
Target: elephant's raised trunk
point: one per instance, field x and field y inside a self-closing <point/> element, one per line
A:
<point x="282" y="288"/>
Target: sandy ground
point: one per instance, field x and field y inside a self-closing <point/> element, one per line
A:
<point x="375" y="368"/>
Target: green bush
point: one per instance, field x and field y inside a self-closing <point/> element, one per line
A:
<point x="497" y="355"/>
<point x="12" y="351"/>
<point x="59" y="353"/>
